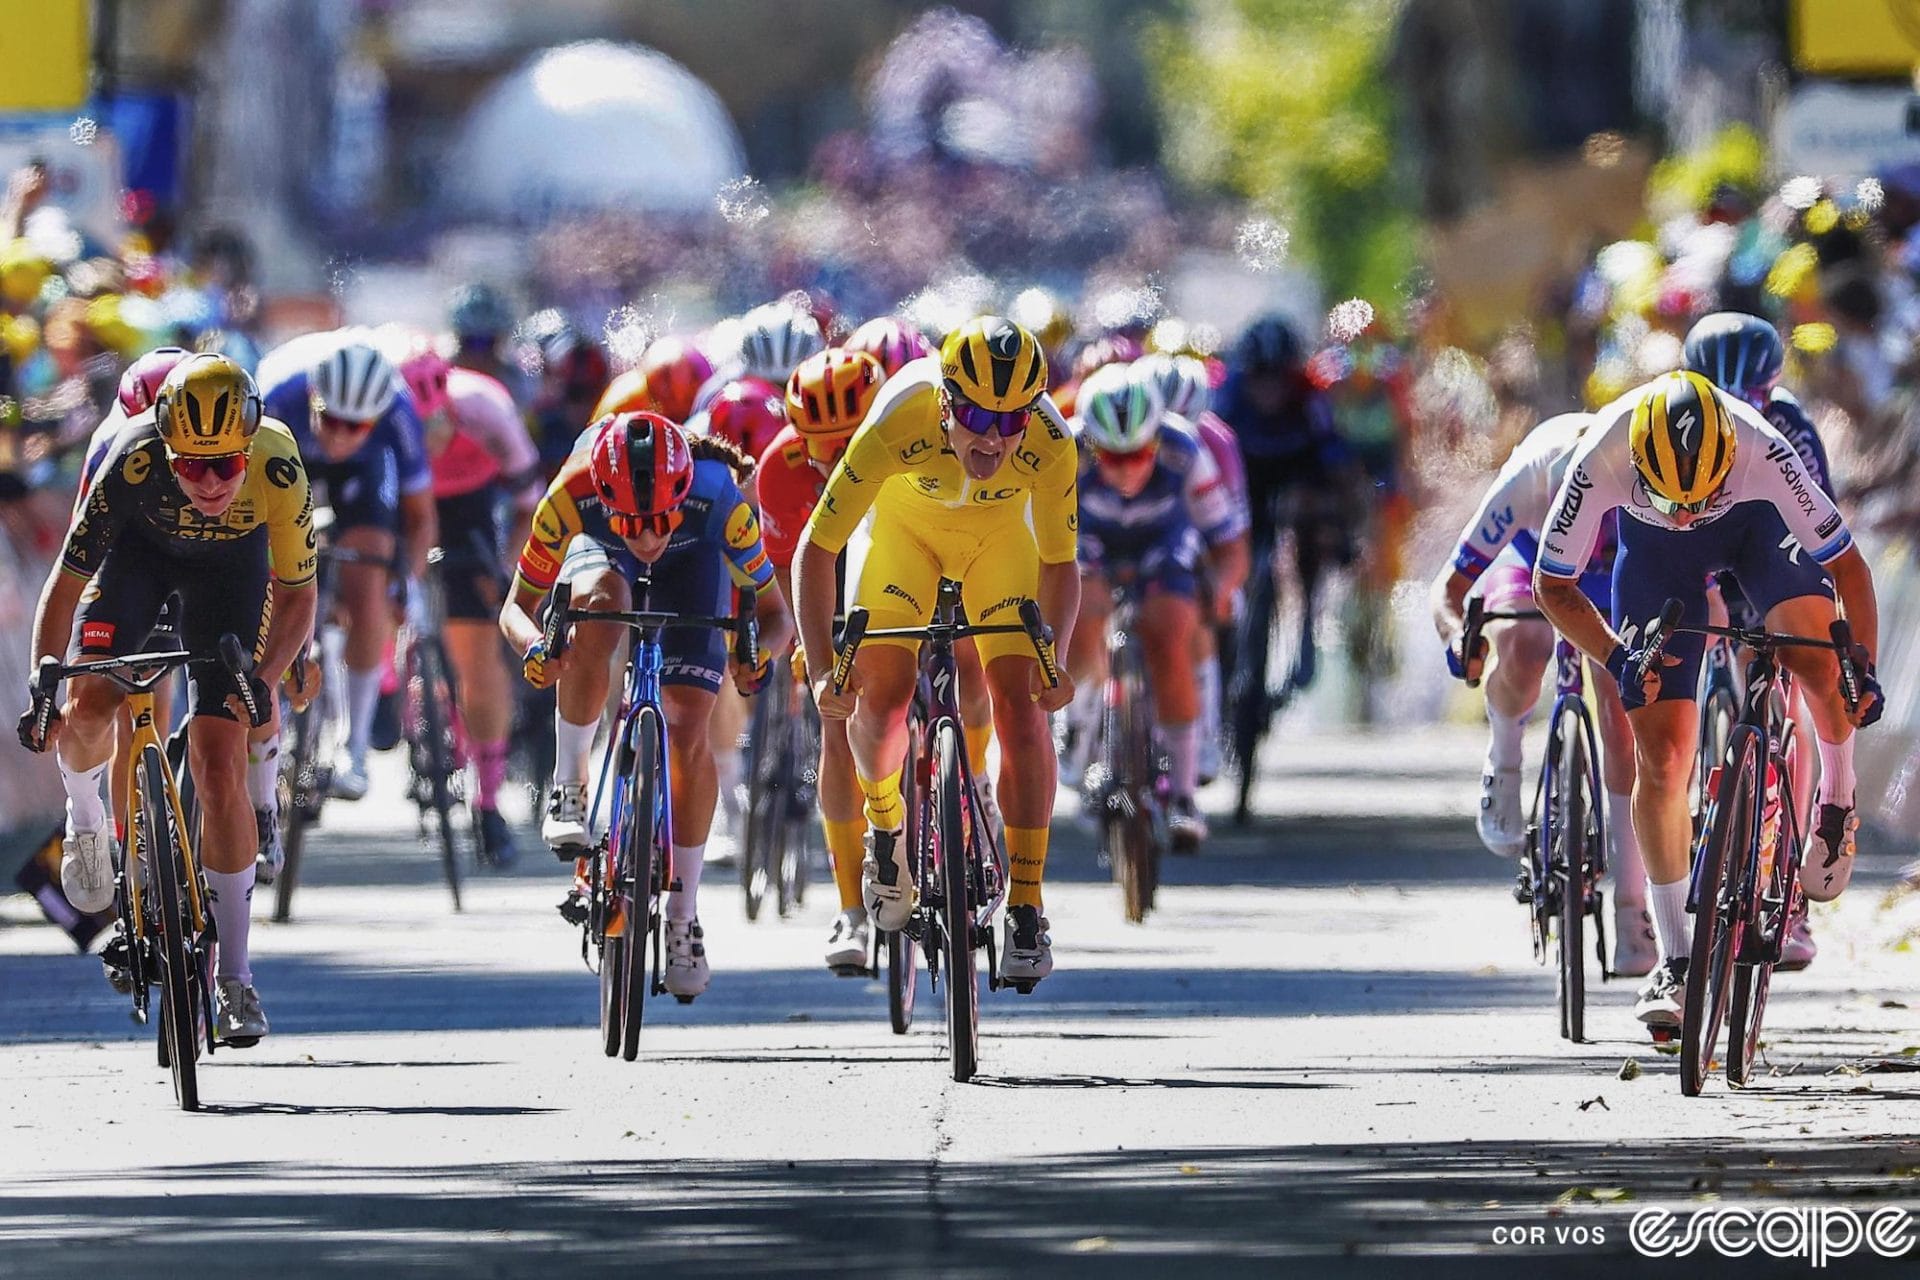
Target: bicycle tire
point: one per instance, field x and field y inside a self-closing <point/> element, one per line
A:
<point x="956" y="882"/>
<point x="903" y="980"/>
<point x="1573" y="820"/>
<point x="613" y="959"/>
<point x="177" y="999"/>
<point x="294" y="818"/>
<point x="1731" y="836"/>
<point x="640" y="869"/>
<point x="1719" y="712"/>
<point x="799" y="750"/>
<point x="762" y="821"/>
<point x="1752" y="982"/>
<point x="436" y="684"/>
<point x="902" y="951"/>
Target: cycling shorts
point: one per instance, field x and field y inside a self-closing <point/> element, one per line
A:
<point x="693" y="581"/>
<point x="1655" y="565"/>
<point x="1507" y="587"/>
<point x="223" y="588"/>
<point x="473" y="554"/>
<point x="364" y="490"/>
<point x="995" y="562"/>
<point x="1158" y="561"/>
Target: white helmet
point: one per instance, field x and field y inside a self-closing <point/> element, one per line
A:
<point x="775" y="338"/>
<point x="355" y="383"/>
<point x="1119" y="411"/>
<point x="1184" y="386"/>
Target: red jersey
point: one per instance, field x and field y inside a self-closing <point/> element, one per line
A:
<point x="788" y="486"/>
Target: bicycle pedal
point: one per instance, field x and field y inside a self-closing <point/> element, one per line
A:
<point x="684" y="999"/>
<point x="573" y="910"/>
<point x="1024" y="988"/>
<point x="852" y="971"/>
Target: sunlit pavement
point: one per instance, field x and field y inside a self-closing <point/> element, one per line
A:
<point x="1328" y="1052"/>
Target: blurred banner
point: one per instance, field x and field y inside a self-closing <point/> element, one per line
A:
<point x="1856" y="37"/>
<point x="44" y="46"/>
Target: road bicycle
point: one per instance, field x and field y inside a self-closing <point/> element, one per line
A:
<point x="955" y="856"/>
<point x="1745" y="885"/>
<point x="435" y="734"/>
<point x="621" y="882"/>
<point x="1126" y="788"/>
<point x="1565" y="863"/>
<point x="164" y="930"/>
<point x="783" y="774"/>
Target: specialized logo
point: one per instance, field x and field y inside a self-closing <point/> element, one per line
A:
<point x="1686" y="430"/>
<point x="284" y="473"/>
<point x="894" y="589"/>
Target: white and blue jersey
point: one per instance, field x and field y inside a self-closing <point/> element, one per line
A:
<point x="1184" y="506"/>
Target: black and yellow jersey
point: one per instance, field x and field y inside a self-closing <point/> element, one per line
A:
<point x="134" y="494"/>
<point x="900" y="459"/>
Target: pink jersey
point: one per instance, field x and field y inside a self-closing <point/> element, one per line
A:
<point x="1220" y="442"/>
<point x="489" y="439"/>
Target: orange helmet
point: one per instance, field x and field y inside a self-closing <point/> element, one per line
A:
<point x="674" y="370"/>
<point x="627" y="393"/>
<point x="830" y="393"/>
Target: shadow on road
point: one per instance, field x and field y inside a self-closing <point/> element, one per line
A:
<point x="1352" y="1211"/>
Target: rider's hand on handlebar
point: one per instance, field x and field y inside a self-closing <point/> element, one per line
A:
<point x="540" y="668"/>
<point x="302" y="682"/>
<point x="1872" y="699"/>
<point x="30" y="737"/>
<point x="1050" y="699"/>
<point x="1468" y="669"/>
<point x="751" y="680"/>
<point x="836" y="706"/>
<point x="1623" y="662"/>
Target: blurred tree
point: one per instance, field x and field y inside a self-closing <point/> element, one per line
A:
<point x="1288" y="104"/>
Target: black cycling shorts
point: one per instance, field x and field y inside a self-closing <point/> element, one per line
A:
<point x="223" y="588"/>
<point x="472" y="555"/>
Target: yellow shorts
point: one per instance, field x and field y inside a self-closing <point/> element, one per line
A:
<point x="994" y="560"/>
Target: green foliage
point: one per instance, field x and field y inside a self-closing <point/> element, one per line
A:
<point x="1288" y="104"/>
<point x="1735" y="156"/>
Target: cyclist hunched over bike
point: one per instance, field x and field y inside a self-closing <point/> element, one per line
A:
<point x="637" y="502"/>
<point x="205" y="497"/>
<point x="1707" y="484"/>
<point x="1153" y="507"/>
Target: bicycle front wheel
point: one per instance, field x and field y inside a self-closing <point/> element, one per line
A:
<point x="1732" y="835"/>
<point x="638" y="868"/>
<point x="1572" y="814"/>
<point x="963" y="981"/>
<point x="759" y="853"/>
<point x="299" y="807"/>
<point x="180" y="1040"/>
<point x="435" y="694"/>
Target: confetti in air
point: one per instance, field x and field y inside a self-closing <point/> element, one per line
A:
<point x="1349" y="320"/>
<point x="1261" y="243"/>
<point x="630" y="331"/>
<point x="1800" y="192"/>
<point x="83" y="131"/>
<point x="743" y="202"/>
<point x="1870" y="194"/>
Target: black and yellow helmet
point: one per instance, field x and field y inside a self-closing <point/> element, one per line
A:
<point x="207" y="407"/>
<point x="995" y="364"/>
<point x="1682" y="440"/>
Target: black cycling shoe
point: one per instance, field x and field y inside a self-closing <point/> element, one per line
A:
<point x="497" y="846"/>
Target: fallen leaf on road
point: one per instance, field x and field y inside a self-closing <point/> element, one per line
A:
<point x="1629" y="1070"/>
<point x="1601" y="1101"/>
<point x="1092" y="1244"/>
<point x="1189" y="1168"/>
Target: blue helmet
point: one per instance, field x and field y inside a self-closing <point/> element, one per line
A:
<point x="1270" y="345"/>
<point x="1739" y="353"/>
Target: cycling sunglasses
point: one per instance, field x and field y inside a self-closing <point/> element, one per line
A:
<point x="625" y="526"/>
<point x="1131" y="458"/>
<point x="327" y="424"/>
<point x="826" y="452"/>
<point x="1669" y="508"/>
<point x="1007" y="422"/>
<point x="225" y="467"/>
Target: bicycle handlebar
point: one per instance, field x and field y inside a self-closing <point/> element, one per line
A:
<point x="228" y="654"/>
<point x="1839" y="640"/>
<point x="1477" y="617"/>
<point x="1031" y="625"/>
<point x="743" y="626"/>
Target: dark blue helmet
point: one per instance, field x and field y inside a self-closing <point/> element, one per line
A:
<point x="1270" y="345"/>
<point x="1739" y="353"/>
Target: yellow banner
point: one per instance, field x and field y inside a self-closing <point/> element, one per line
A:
<point x="44" y="54"/>
<point x="1856" y="37"/>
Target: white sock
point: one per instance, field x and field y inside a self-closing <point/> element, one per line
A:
<point x="263" y="772"/>
<point x="1629" y="869"/>
<point x="1183" y="750"/>
<point x="1670" y="924"/>
<point x="1504" y="738"/>
<point x="572" y="748"/>
<point x="1210" y="697"/>
<point x="683" y="897"/>
<point x="1836" y="771"/>
<point x="85" y="810"/>
<point x="230" y="898"/>
<point x="363" y="695"/>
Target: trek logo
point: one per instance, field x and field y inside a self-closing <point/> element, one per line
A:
<point x="1579" y="484"/>
<point x="1787" y="458"/>
<point x="1494" y="531"/>
<point x="96" y="635"/>
<point x="894" y="589"/>
<point x="915" y="449"/>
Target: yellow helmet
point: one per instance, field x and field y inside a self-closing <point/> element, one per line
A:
<point x="1682" y="440"/>
<point x="207" y="407"/>
<point x="995" y="364"/>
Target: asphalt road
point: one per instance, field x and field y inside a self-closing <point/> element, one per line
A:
<point x="1329" y="1052"/>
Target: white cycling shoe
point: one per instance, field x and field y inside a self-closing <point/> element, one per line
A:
<point x="850" y="943"/>
<point x="1828" y="865"/>
<point x="238" y="1018"/>
<point x="1026" y="956"/>
<point x="687" y="972"/>
<point x="1502" y="822"/>
<point x="86" y="870"/>
<point x="1664" y="997"/>
<point x="565" y="826"/>
<point x="349" y="781"/>
<point x="1798" y="949"/>
<point x="886" y="886"/>
<point x="1635" y="949"/>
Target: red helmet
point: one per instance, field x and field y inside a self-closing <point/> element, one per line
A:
<point x="674" y="370"/>
<point x="140" y="384"/>
<point x="891" y="341"/>
<point x="641" y="465"/>
<point x="748" y="412"/>
<point x="424" y="370"/>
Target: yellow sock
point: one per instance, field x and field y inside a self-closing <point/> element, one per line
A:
<point x="884" y="810"/>
<point x="845" y="846"/>
<point x="978" y="738"/>
<point x="1027" y="851"/>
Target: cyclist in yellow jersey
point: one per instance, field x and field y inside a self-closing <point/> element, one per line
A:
<point x="969" y="470"/>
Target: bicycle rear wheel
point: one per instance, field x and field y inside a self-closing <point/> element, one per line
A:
<point x="1765" y="929"/>
<point x="178" y="999"/>
<point x="759" y="853"/>
<point x="963" y="980"/>
<point x="1571" y="811"/>
<point x="1729" y="847"/>
<point x="613" y="961"/>
<point x="638" y="869"/>
<point x="435" y="747"/>
<point x="1247" y="692"/>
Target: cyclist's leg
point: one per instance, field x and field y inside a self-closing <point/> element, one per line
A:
<point x="976" y="705"/>
<point x="1169" y="618"/>
<point x="1521" y="651"/>
<point x="897" y="588"/>
<point x="366" y="518"/>
<point x="470" y="533"/>
<point x="599" y="576"/>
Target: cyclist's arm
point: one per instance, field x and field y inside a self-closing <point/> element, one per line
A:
<point x="291" y="628"/>
<point x="849" y="494"/>
<point x="1055" y="507"/>
<point x="53" y="618"/>
<point x="1567" y="539"/>
<point x="290" y="539"/>
<point x="1853" y="584"/>
<point x="1573" y="615"/>
<point x="419" y="531"/>
<point x="555" y="523"/>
